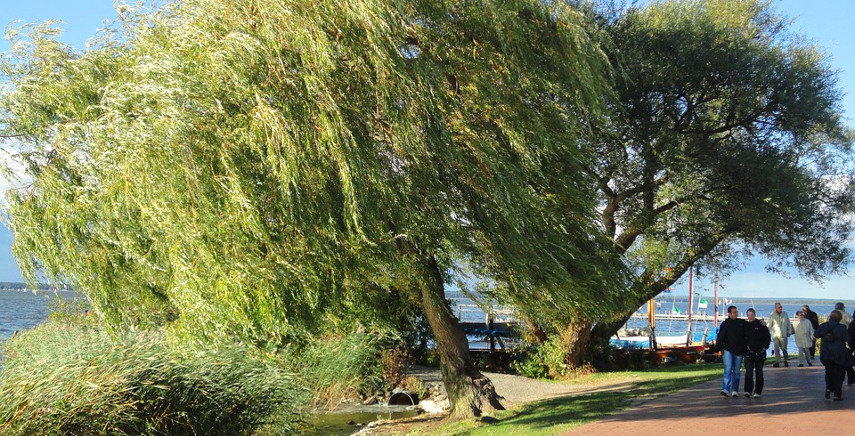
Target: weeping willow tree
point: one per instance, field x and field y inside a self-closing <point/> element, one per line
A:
<point x="266" y="169"/>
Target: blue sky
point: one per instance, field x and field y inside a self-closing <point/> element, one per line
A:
<point x="829" y="23"/>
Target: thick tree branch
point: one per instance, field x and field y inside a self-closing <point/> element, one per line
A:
<point x="642" y="188"/>
<point x="650" y="283"/>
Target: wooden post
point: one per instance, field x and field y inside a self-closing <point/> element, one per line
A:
<point x="651" y="318"/>
<point x="490" y="331"/>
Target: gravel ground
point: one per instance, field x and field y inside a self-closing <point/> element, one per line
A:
<point x="517" y="389"/>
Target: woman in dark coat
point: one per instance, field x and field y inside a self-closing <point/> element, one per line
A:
<point x="833" y="353"/>
<point x="757" y="339"/>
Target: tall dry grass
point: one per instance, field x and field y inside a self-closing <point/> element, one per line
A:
<point x="74" y="378"/>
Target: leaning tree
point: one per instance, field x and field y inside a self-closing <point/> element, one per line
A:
<point x="725" y="138"/>
<point x="237" y="168"/>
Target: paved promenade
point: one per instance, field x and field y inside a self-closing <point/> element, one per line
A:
<point x="792" y="403"/>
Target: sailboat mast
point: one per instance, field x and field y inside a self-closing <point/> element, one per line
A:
<point x="715" y="294"/>
<point x="691" y="296"/>
<point x="689" y="326"/>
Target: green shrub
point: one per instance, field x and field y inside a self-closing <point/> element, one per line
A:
<point x="544" y="360"/>
<point x="76" y="379"/>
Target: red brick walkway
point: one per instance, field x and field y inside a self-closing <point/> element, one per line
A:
<point x="792" y="403"/>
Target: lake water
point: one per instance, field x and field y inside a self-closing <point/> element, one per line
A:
<point x="668" y="303"/>
<point x="25" y="309"/>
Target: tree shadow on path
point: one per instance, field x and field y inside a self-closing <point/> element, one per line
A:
<point x="792" y="398"/>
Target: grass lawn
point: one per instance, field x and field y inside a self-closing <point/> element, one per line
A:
<point x="553" y="416"/>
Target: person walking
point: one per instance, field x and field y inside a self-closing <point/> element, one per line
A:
<point x="804" y="339"/>
<point x="846" y="320"/>
<point x="832" y="353"/>
<point x="851" y="330"/>
<point x="781" y="329"/>
<point x="814" y="321"/>
<point x="731" y="342"/>
<point x="757" y="339"/>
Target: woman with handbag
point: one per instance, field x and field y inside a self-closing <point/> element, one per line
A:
<point x="833" y="353"/>
<point x="757" y="338"/>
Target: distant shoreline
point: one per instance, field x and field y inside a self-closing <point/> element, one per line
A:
<point x="671" y="296"/>
<point x="783" y="300"/>
<point x="18" y="286"/>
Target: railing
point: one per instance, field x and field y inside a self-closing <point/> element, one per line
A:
<point x="695" y="317"/>
<point x="498" y="324"/>
<point x="493" y="315"/>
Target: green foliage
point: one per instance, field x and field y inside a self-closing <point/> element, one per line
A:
<point x="529" y="363"/>
<point x="75" y="379"/>
<point x="342" y="367"/>
<point x="545" y="360"/>
<point x="71" y="311"/>
<point x="735" y="131"/>
<point x="726" y="141"/>
<point x="267" y="170"/>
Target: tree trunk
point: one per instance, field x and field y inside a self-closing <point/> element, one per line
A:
<point x="650" y="284"/>
<point x="605" y="330"/>
<point x="575" y="340"/>
<point x="536" y="333"/>
<point x="469" y="392"/>
<point x="642" y="291"/>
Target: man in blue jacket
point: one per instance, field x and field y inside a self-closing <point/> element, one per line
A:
<point x="731" y="341"/>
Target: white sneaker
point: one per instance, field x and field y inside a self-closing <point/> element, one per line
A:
<point x="734" y="394"/>
<point x="756" y="395"/>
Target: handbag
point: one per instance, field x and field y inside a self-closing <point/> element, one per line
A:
<point x="756" y="355"/>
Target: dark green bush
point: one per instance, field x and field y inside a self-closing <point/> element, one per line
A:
<point x="74" y="379"/>
<point x="544" y="360"/>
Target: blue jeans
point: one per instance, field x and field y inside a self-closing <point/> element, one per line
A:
<point x="732" y="362"/>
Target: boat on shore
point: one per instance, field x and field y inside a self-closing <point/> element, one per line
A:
<point x="690" y="346"/>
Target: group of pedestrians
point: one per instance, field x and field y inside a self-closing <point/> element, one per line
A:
<point x="746" y="340"/>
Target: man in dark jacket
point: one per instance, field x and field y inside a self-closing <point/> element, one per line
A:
<point x="814" y="321"/>
<point x="757" y="339"/>
<point x="845" y="319"/>
<point x="833" y="353"/>
<point x="731" y="341"/>
<point x="851" y="331"/>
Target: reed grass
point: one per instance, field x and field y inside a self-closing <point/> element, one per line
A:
<point x="62" y="378"/>
<point x="341" y="367"/>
